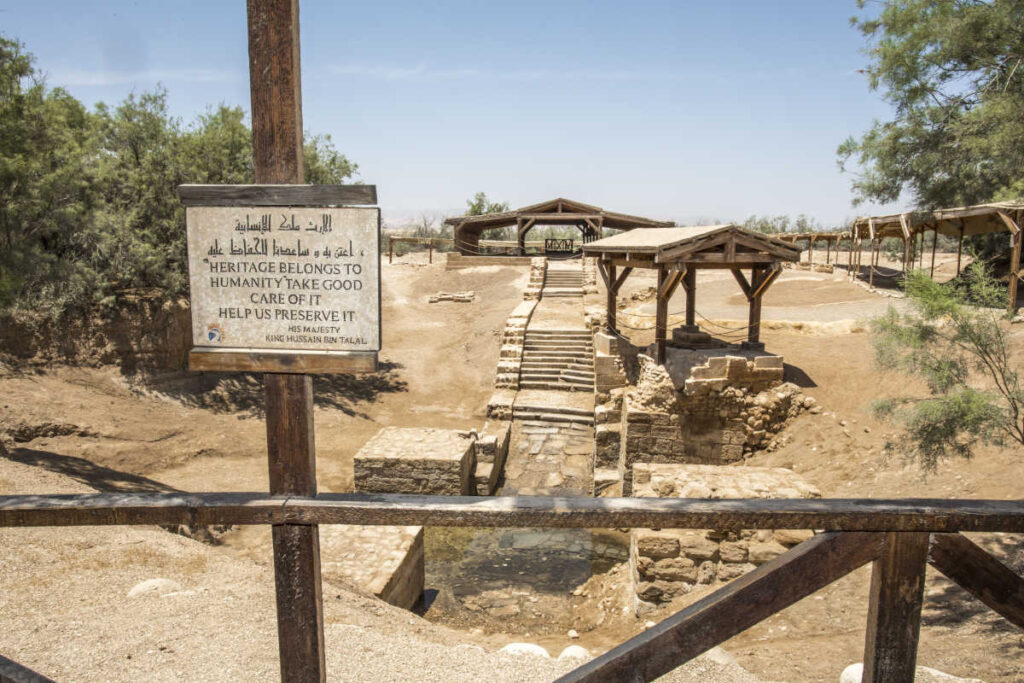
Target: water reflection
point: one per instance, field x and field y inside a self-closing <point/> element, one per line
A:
<point x="502" y="580"/>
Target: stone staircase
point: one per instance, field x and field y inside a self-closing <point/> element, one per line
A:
<point x="557" y="416"/>
<point x="562" y="282"/>
<point x="562" y="360"/>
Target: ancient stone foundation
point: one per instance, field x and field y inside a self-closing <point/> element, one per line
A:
<point x="425" y="461"/>
<point x="665" y="564"/>
<point x="708" y="406"/>
<point x="386" y="561"/>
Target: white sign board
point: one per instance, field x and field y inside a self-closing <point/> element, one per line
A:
<point x="284" y="278"/>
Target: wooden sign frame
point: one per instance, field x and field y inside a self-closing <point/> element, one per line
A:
<point x="298" y="361"/>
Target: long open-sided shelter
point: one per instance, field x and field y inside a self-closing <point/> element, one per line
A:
<point x="677" y="254"/>
<point x="831" y="240"/>
<point x="590" y="220"/>
<point x="958" y="222"/>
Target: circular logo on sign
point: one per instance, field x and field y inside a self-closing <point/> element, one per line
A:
<point x="214" y="334"/>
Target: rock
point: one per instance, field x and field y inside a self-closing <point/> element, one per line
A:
<point x="573" y="633"/>
<point x="157" y="586"/>
<point x="760" y="553"/>
<point x="649" y="624"/>
<point x="733" y="552"/>
<point x="923" y="674"/>
<point x="518" y="649"/>
<point x="657" y="547"/>
<point x="793" y="536"/>
<point x="575" y="653"/>
<point x="728" y="572"/>
<point x="720" y="656"/>
<point x="707" y="572"/>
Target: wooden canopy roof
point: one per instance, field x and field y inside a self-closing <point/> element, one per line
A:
<point x="706" y="246"/>
<point x="960" y="221"/>
<point x="555" y="212"/>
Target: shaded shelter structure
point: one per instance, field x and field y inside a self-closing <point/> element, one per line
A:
<point x="677" y="254"/>
<point x="590" y="220"/>
<point x="831" y="240"/>
<point x="959" y="222"/>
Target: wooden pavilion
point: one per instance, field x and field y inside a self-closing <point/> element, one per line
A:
<point x="958" y="222"/>
<point x="677" y="254"/>
<point x="831" y="240"/>
<point x="590" y="220"/>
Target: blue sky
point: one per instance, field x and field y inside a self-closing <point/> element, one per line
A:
<point x="682" y="110"/>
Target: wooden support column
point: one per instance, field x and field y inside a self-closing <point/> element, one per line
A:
<point x="661" y="316"/>
<point x="959" y="248"/>
<point x="430" y="250"/>
<point x="520" y="237"/>
<point x="391" y="249"/>
<point x="894" y="614"/>
<point x="275" y="85"/>
<point x="607" y="270"/>
<point x="935" y="242"/>
<point x="757" y="276"/>
<point x="828" y="251"/>
<point x="871" y="264"/>
<point x="810" y="252"/>
<point x="1017" y="240"/>
<point x="690" y="284"/>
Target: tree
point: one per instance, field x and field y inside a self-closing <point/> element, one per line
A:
<point x="962" y="354"/>
<point x="480" y="204"/>
<point x="46" y="153"/>
<point x="954" y="72"/>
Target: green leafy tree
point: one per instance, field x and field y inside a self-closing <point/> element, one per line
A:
<point x="954" y="72"/>
<point x="962" y="354"/>
<point x="46" y="198"/>
<point x="480" y="204"/>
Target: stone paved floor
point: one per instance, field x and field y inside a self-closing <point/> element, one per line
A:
<point x="549" y="459"/>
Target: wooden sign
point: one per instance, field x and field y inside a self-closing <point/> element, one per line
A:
<point x="283" y="278"/>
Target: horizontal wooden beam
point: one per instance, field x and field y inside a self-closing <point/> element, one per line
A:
<point x="836" y="514"/>
<point x="277" y="195"/>
<point x="742" y="603"/>
<point x="297" y="362"/>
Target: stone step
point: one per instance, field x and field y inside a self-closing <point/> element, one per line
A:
<point x="556" y="418"/>
<point x="578" y="346"/>
<point x="571" y="367"/>
<point x="565" y="411"/>
<point x="556" y="357"/>
<point x="547" y="385"/>
<point x="554" y="375"/>
<point x="559" y="336"/>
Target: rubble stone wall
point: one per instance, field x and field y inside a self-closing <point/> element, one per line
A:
<point x="701" y="409"/>
<point x="665" y="564"/>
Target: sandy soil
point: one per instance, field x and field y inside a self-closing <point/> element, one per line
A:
<point x="91" y="430"/>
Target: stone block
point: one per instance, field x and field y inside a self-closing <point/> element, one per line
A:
<point x="674" y="569"/>
<point x="424" y="461"/>
<point x="656" y="546"/>
<point x="759" y="553"/>
<point x="386" y="561"/>
<point x="728" y="572"/>
<point x="790" y="537"/>
<point x="733" y="552"/>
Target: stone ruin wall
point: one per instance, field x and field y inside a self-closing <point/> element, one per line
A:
<point x="665" y="564"/>
<point x="727" y="407"/>
<point x="513" y="340"/>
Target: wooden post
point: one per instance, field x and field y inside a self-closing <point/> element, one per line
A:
<point x="935" y="241"/>
<point x="661" y="316"/>
<point x="757" y="276"/>
<point x="894" y="614"/>
<point x="828" y="251"/>
<point x="391" y="249"/>
<point x="430" y="249"/>
<point x="610" y="301"/>
<point x="1016" y="238"/>
<point x="810" y="252"/>
<point x="276" y="90"/>
<point x="871" y="264"/>
<point x="690" y="283"/>
<point x="959" y="248"/>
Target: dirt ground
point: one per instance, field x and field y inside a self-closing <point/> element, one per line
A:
<point x="90" y="429"/>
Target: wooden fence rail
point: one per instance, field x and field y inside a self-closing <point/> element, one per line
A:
<point x="898" y="536"/>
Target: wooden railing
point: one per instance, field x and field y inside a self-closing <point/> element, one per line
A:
<point x="899" y="536"/>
